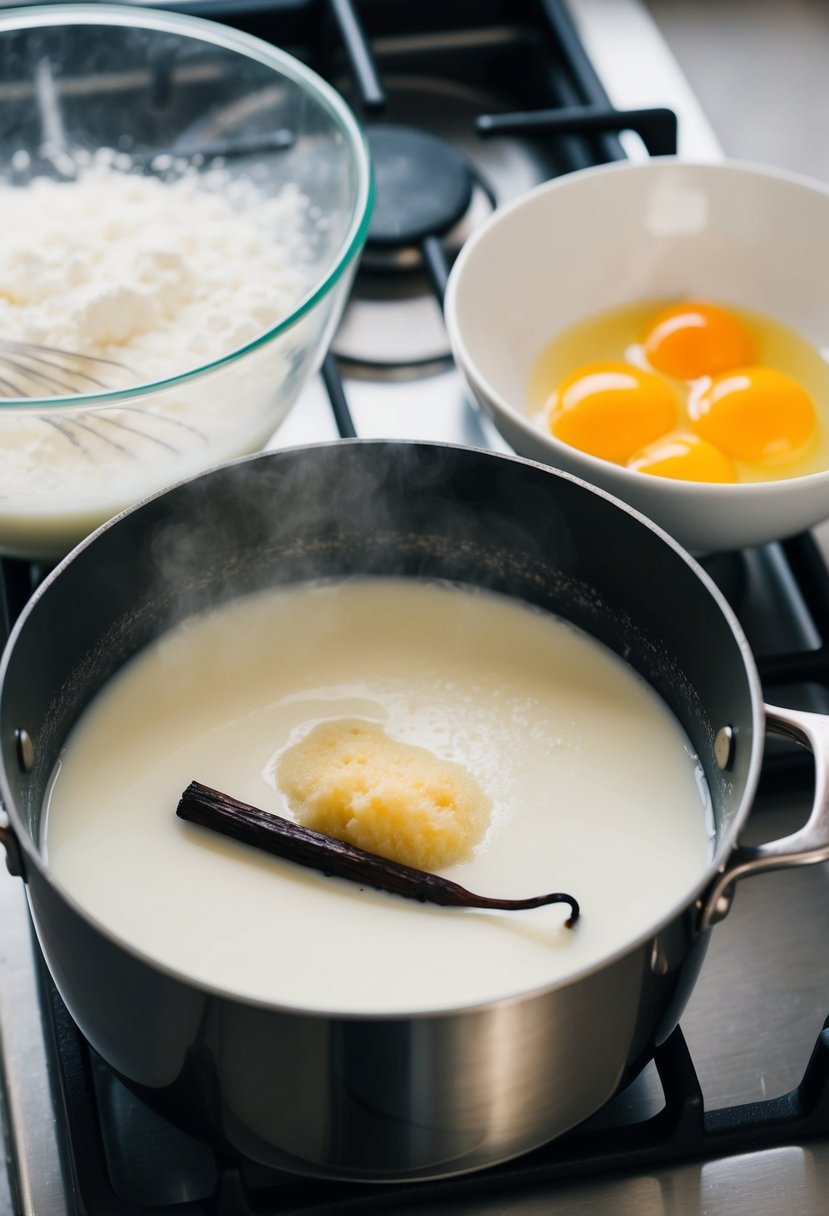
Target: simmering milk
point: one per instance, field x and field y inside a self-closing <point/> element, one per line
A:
<point x="593" y="788"/>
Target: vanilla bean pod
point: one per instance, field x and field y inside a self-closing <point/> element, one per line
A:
<point x="213" y="809"/>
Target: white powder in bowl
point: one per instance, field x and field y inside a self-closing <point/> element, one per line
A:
<point x="161" y="276"/>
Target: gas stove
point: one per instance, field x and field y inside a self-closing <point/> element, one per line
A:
<point x="733" y="1116"/>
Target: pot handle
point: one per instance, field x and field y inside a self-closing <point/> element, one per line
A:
<point x="14" y="856"/>
<point x="804" y="847"/>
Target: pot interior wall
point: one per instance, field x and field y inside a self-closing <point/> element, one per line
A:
<point x="336" y="510"/>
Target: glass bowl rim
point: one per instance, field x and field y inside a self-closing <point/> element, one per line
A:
<point x="204" y="30"/>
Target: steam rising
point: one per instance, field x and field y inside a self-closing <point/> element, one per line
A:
<point x="358" y="508"/>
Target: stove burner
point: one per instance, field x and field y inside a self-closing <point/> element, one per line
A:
<point x="393" y="324"/>
<point x="423" y="186"/>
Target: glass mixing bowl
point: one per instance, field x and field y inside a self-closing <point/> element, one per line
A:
<point x="192" y="104"/>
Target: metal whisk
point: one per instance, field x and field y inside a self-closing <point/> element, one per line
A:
<point x="29" y="369"/>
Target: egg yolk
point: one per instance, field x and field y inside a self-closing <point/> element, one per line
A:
<point x="754" y="414"/>
<point x="690" y="340"/>
<point x="611" y="409"/>
<point x="685" y="458"/>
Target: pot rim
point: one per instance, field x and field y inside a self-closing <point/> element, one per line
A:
<point x="719" y="856"/>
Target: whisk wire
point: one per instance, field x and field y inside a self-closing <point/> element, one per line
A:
<point x="28" y="357"/>
<point x="23" y="376"/>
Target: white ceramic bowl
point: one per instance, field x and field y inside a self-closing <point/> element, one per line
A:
<point x="739" y="234"/>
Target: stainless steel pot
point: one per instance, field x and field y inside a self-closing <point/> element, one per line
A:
<point x="403" y="1097"/>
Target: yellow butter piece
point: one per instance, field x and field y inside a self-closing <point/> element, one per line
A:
<point x="350" y="780"/>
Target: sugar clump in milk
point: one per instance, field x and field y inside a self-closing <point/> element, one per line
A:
<point x="349" y="779"/>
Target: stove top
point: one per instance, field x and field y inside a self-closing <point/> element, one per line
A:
<point x="733" y="1115"/>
